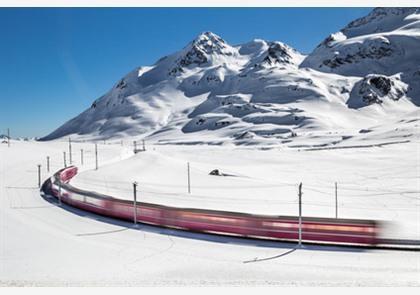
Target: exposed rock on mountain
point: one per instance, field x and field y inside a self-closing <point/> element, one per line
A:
<point x="374" y="89"/>
<point x="384" y="42"/>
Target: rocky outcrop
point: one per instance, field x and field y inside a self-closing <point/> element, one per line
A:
<point x="374" y="89"/>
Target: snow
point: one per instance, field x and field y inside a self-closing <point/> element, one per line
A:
<point x="374" y="182"/>
<point x="264" y="92"/>
<point x="384" y="42"/>
<point x="43" y="244"/>
<point x="267" y="117"/>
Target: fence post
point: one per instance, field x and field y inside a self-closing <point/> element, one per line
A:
<point x="39" y="175"/>
<point x="96" y="156"/>
<point x="135" y="146"/>
<point x="336" y="201"/>
<point x="48" y="164"/>
<point x="300" y="214"/>
<point x="64" y="157"/>
<point x="81" y="156"/>
<point x="189" y="179"/>
<point x="135" y="201"/>
<point x="8" y="137"/>
<point x="59" y="192"/>
<point x="144" y="146"/>
<point x="70" y="158"/>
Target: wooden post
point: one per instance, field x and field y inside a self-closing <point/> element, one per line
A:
<point x="300" y="214"/>
<point x="64" y="157"/>
<point x="48" y="164"/>
<point x="189" y="179"/>
<point x="135" y="202"/>
<point x="39" y="175"/>
<point x="59" y="192"/>
<point x="70" y="157"/>
<point x="96" y="156"/>
<point x="336" y="201"/>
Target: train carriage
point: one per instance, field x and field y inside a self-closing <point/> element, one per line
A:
<point x="285" y="228"/>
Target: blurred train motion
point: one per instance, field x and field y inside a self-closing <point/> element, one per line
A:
<point x="282" y="228"/>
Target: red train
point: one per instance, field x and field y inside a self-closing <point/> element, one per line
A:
<point x="319" y="230"/>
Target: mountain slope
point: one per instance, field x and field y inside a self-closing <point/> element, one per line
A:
<point x="385" y="42"/>
<point x="265" y="92"/>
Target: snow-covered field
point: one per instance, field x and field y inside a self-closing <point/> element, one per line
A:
<point x="379" y="183"/>
<point x="43" y="244"/>
<point x="268" y="118"/>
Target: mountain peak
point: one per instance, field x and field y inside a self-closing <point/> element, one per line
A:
<point x="269" y="54"/>
<point x="206" y="48"/>
<point x="379" y="20"/>
<point x="209" y="43"/>
<point x="208" y="36"/>
<point x="383" y="42"/>
<point x="279" y="53"/>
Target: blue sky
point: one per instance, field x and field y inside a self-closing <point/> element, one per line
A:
<point x="55" y="61"/>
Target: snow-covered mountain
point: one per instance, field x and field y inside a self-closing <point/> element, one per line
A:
<point x="385" y="42"/>
<point x="265" y="92"/>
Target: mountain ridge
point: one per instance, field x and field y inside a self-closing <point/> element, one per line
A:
<point x="264" y="92"/>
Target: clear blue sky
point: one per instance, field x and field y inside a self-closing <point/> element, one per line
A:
<point x="55" y="61"/>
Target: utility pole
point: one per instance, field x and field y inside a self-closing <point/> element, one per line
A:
<point x="189" y="180"/>
<point x="135" y="202"/>
<point x="81" y="156"/>
<point x="300" y="214"/>
<point x="48" y="164"/>
<point x="70" y="159"/>
<point x="336" y="201"/>
<point x="8" y="137"/>
<point x="64" y="157"/>
<point x="39" y="175"/>
<point x="96" y="156"/>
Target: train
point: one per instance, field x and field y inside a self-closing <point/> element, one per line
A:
<point x="317" y="230"/>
